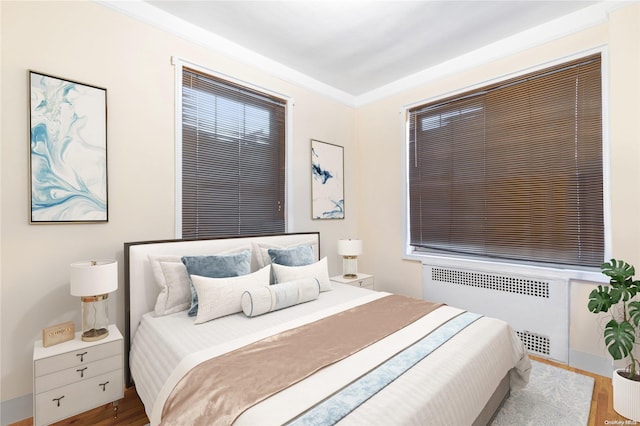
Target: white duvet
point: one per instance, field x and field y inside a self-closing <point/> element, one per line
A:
<point x="451" y="386"/>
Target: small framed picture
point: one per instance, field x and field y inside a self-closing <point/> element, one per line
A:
<point x="327" y="182"/>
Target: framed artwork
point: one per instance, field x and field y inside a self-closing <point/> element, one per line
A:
<point x="327" y="183"/>
<point x="68" y="155"/>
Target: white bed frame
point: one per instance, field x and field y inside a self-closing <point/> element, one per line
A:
<point x="141" y="290"/>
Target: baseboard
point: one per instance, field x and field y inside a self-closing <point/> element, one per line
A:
<point x="591" y="363"/>
<point x="14" y="410"/>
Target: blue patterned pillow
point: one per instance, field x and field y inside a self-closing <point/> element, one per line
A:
<point x="219" y="266"/>
<point x="292" y="256"/>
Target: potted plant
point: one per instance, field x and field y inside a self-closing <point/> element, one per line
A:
<point x="622" y="332"/>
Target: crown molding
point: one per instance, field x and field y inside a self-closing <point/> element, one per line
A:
<point x="158" y="18"/>
<point x="537" y="36"/>
<point x="552" y="30"/>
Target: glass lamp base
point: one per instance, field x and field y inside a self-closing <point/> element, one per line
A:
<point x="95" y="318"/>
<point x="350" y="266"/>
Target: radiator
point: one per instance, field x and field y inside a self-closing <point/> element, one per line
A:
<point x="536" y="308"/>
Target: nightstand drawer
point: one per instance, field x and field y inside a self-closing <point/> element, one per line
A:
<point x="76" y="358"/>
<point x="360" y="280"/>
<point x="75" y="376"/>
<point x="73" y="399"/>
<point x="365" y="282"/>
<point x="77" y="373"/>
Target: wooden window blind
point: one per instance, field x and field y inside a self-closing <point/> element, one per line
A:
<point x="513" y="170"/>
<point x="233" y="159"/>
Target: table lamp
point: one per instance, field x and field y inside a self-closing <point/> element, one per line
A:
<point x="349" y="250"/>
<point x="92" y="280"/>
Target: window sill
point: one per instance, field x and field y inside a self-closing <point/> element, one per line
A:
<point x="496" y="266"/>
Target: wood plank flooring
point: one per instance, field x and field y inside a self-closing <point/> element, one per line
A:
<point x="131" y="412"/>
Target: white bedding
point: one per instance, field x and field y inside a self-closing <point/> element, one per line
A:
<point x="162" y="342"/>
<point x="451" y="386"/>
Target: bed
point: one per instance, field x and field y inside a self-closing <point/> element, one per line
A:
<point x="269" y="363"/>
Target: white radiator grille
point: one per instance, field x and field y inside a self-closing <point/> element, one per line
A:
<point x="535" y="307"/>
<point x="506" y="283"/>
<point x="535" y="342"/>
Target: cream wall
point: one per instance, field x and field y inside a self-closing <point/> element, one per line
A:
<point x="381" y="142"/>
<point x="87" y="42"/>
<point x="90" y="43"/>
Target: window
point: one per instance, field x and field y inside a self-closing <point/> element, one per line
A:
<point x="233" y="159"/>
<point x="513" y="170"/>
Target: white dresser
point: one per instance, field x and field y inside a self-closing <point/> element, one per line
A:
<point x="362" y="280"/>
<point x="75" y="376"/>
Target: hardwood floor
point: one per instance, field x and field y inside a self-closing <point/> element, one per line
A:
<point x="131" y="412"/>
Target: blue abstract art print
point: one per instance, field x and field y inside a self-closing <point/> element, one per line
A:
<point x="327" y="183"/>
<point x="68" y="138"/>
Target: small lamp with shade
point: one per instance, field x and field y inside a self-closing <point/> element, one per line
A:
<point x="93" y="280"/>
<point x="349" y="250"/>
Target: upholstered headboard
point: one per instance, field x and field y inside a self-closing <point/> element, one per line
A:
<point x="141" y="289"/>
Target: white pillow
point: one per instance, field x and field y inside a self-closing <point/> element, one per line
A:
<point x="316" y="270"/>
<point x="173" y="280"/>
<point x="218" y="297"/>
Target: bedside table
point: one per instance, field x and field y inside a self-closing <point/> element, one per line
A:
<point x="75" y="376"/>
<point x="362" y="280"/>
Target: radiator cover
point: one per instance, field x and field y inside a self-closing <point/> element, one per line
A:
<point x="537" y="308"/>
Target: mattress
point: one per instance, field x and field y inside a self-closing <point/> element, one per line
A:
<point x="451" y="386"/>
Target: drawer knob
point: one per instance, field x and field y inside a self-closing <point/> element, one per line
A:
<point x="57" y="400"/>
<point x="81" y="355"/>
<point x="104" y="386"/>
<point x="81" y="371"/>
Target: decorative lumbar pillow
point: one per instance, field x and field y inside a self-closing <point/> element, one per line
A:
<point x="218" y="297"/>
<point x="219" y="266"/>
<point x="264" y="258"/>
<point x="260" y="300"/>
<point x="316" y="270"/>
<point x="256" y="301"/>
<point x="172" y="278"/>
<point x="292" y="256"/>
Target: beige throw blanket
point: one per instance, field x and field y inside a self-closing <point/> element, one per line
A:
<point x="217" y="391"/>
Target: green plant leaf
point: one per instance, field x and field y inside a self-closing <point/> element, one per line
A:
<point x="599" y="300"/>
<point x="624" y="290"/>
<point x="634" y="287"/>
<point x="618" y="270"/>
<point x="634" y="312"/>
<point x="619" y="338"/>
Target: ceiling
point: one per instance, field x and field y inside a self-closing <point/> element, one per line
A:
<point x="359" y="46"/>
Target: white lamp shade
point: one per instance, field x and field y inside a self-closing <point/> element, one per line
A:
<point x="349" y="247"/>
<point x="94" y="277"/>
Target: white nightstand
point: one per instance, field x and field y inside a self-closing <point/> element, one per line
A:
<point x="362" y="280"/>
<point x="75" y="376"/>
